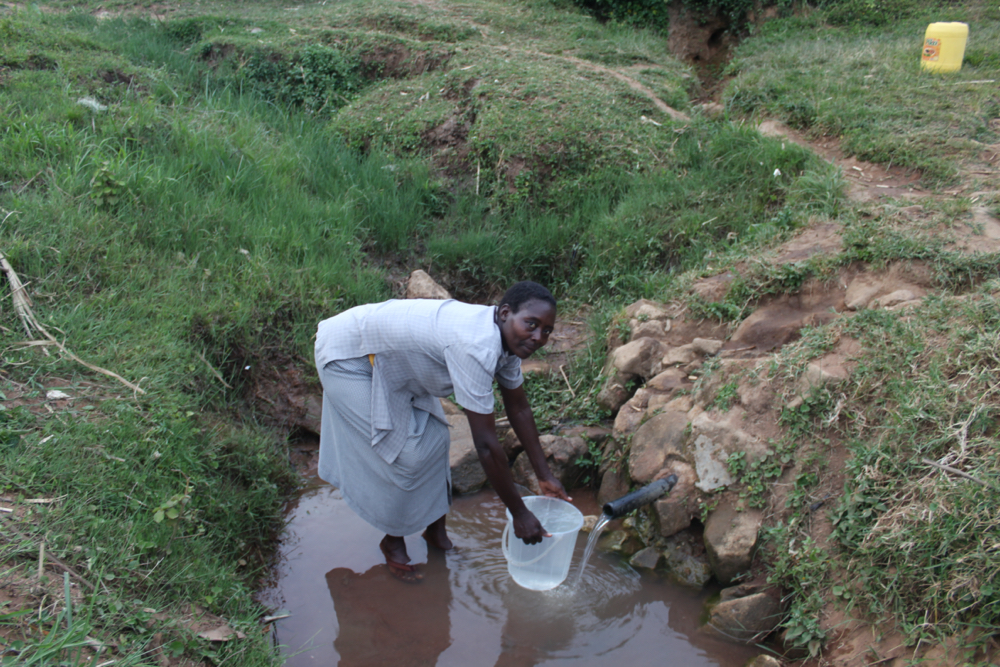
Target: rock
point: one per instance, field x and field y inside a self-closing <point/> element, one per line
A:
<point x="709" y="460"/>
<point x="589" y="522"/>
<point x="861" y="291"/>
<point x="631" y="414"/>
<point x="730" y="539"/>
<point x="765" y="661"/>
<point x="906" y="304"/>
<point x="611" y="456"/>
<point x="467" y="474"/>
<point x="669" y="380"/>
<point x="511" y="445"/>
<point x="623" y="542"/>
<point x="638" y="357"/>
<point x="815" y="376"/>
<point x="712" y="109"/>
<point x="672" y="512"/>
<point x="679" y="404"/>
<point x="895" y="298"/>
<point x="740" y="591"/>
<point x="422" y="286"/>
<point x="596" y="434"/>
<point x="671" y="516"/>
<point x="714" y="440"/>
<point x="663" y="388"/>
<point x="781" y="319"/>
<point x="656" y="403"/>
<point x="562" y="455"/>
<point x="648" y="329"/>
<point x="614" y="485"/>
<point x="745" y="619"/>
<point x="707" y="346"/>
<point x="755" y="397"/>
<point x="714" y="288"/>
<point x="644" y="309"/>
<point x="615" y="393"/>
<point x="705" y="394"/>
<point x="646" y="559"/>
<point x="684" y="564"/>
<point x="679" y="356"/>
<point x="654" y="443"/>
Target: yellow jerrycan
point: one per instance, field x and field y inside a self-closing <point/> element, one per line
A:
<point x="944" y="47"/>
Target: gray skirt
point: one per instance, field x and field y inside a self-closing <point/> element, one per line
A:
<point x="398" y="498"/>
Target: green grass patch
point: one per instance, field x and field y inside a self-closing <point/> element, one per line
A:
<point x="867" y="87"/>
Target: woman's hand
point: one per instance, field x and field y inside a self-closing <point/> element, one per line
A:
<point x="553" y="488"/>
<point x="528" y="527"/>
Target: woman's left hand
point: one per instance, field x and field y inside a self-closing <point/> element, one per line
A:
<point x="553" y="488"/>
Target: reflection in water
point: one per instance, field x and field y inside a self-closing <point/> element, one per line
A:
<point x="383" y="621"/>
<point x="347" y="608"/>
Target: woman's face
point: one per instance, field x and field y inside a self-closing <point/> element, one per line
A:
<point x="529" y="328"/>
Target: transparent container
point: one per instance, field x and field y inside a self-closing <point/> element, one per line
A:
<point x="944" y="47"/>
<point x="543" y="566"/>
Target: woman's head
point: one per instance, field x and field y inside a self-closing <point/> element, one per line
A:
<point x="523" y="292"/>
<point x="526" y="315"/>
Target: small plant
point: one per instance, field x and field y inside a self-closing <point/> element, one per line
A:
<point x="590" y="461"/>
<point x="106" y="190"/>
<point x="726" y="396"/>
<point x="173" y="508"/>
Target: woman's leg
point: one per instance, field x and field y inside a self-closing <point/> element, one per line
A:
<point x="437" y="536"/>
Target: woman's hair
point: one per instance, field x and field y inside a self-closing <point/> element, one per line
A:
<point x="523" y="292"/>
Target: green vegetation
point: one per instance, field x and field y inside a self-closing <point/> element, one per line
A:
<point x="866" y="86"/>
<point x="230" y="179"/>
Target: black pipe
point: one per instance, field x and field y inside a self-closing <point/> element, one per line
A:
<point x="643" y="496"/>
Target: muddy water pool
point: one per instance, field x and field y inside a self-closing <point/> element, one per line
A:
<point x="348" y="610"/>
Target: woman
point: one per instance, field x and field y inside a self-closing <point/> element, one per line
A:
<point x="384" y="439"/>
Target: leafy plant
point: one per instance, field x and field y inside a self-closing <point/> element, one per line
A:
<point x="106" y="190"/>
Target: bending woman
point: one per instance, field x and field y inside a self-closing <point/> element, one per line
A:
<point x="384" y="440"/>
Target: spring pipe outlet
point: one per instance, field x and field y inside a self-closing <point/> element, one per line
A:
<point x="637" y="499"/>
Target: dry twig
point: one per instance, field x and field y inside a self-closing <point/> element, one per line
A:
<point x="568" y="385"/>
<point x="214" y="372"/>
<point x="22" y="305"/>
<point x="953" y="471"/>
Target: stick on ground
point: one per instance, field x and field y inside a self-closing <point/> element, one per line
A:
<point x="22" y="305"/>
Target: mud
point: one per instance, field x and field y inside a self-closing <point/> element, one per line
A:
<point x="348" y="610"/>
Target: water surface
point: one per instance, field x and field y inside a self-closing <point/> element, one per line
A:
<point x="348" y="610"/>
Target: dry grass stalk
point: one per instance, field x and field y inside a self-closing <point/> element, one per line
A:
<point x="22" y="306"/>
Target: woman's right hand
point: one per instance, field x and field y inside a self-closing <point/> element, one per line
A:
<point x="528" y="528"/>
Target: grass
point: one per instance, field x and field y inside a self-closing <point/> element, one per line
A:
<point x="866" y="87"/>
<point x="261" y="168"/>
<point x="913" y="543"/>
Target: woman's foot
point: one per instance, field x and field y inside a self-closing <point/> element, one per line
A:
<point x="437" y="536"/>
<point x="394" y="550"/>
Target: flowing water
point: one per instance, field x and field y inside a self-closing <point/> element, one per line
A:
<point x="346" y="609"/>
<point x="588" y="551"/>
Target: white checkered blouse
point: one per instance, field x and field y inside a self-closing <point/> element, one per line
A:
<point x="423" y="349"/>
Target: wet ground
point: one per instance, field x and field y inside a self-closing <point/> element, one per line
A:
<point x="346" y="609"/>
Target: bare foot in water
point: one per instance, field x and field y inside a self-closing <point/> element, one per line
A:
<point x="437" y="536"/>
<point x="394" y="550"/>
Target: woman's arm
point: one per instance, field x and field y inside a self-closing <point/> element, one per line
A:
<point x="491" y="455"/>
<point x="522" y="420"/>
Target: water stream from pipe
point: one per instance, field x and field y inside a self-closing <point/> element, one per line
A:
<point x="595" y="535"/>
